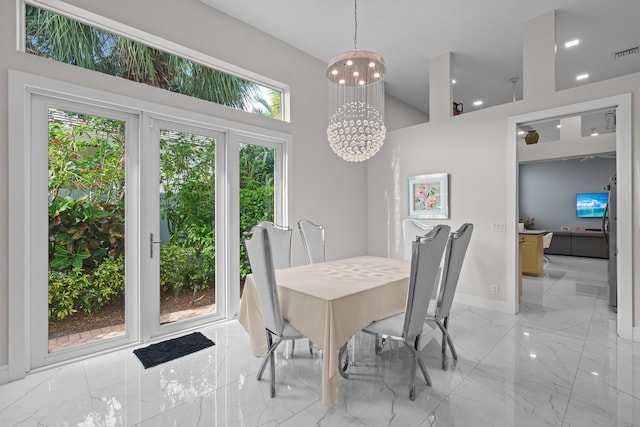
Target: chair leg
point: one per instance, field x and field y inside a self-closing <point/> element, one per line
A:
<point x="416" y="360"/>
<point x="270" y="357"/>
<point x="412" y="377"/>
<point x="342" y="367"/>
<point x="444" y="349"/>
<point x="449" y="340"/>
<point x="423" y="368"/>
<point x="446" y="339"/>
<point x="293" y="347"/>
<point x="267" y="355"/>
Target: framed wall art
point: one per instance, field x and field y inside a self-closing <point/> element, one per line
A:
<point x="428" y="196"/>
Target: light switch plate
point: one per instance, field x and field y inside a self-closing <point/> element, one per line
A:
<point x="498" y="226"/>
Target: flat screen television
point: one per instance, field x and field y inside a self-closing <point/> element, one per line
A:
<point x="591" y="205"/>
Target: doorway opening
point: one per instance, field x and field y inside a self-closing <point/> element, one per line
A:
<point x="546" y="151"/>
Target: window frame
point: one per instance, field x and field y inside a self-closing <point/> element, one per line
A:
<point x="123" y="30"/>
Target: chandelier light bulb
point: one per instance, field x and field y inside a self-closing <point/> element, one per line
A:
<point x="335" y="72"/>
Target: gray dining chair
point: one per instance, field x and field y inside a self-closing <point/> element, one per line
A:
<point x="410" y="230"/>
<point x="407" y="327"/>
<point x="313" y="240"/>
<point x="278" y="330"/>
<point x="280" y="238"/>
<point x="453" y="258"/>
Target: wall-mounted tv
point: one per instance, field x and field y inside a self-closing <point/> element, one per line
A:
<point x="591" y="205"/>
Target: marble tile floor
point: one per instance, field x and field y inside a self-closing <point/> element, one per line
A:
<point x="557" y="363"/>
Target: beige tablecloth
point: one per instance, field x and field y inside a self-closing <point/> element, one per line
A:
<point x="329" y="302"/>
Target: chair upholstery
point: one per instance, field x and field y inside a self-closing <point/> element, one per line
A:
<point x="410" y="229"/>
<point x="280" y="238"/>
<point x="407" y="327"/>
<point x="259" y="251"/>
<point x="453" y="258"/>
<point x="313" y="240"/>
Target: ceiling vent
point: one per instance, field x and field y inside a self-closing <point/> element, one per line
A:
<point x="626" y="52"/>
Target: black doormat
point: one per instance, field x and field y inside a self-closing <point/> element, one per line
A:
<point x="165" y="351"/>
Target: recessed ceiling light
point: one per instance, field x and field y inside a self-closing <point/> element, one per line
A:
<point x="559" y="126"/>
<point x="582" y="76"/>
<point x="594" y="133"/>
<point x="453" y="81"/>
<point x="477" y="103"/>
<point x="520" y="132"/>
<point x="572" y="43"/>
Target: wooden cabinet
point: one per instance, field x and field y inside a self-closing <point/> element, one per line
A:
<point x="578" y="243"/>
<point x="532" y="253"/>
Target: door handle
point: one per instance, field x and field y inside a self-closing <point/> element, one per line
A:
<point x="151" y="243"/>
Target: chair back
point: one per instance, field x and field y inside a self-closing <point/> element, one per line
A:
<point x="453" y="258"/>
<point x="259" y="252"/>
<point x="425" y="260"/>
<point x="546" y="240"/>
<point x="410" y="229"/>
<point x="313" y="240"/>
<point x="280" y="239"/>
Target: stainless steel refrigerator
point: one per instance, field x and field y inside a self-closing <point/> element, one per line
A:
<point x="609" y="229"/>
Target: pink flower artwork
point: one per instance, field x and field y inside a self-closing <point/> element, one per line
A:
<point x="427" y="196"/>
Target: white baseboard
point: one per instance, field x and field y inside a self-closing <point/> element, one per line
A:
<point x="482" y="302"/>
<point x="4" y="374"/>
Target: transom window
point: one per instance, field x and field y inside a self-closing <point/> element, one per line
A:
<point x="58" y="37"/>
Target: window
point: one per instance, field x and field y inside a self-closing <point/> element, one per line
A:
<point x="52" y="35"/>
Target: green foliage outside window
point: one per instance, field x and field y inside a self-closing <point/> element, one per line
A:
<point x="86" y="210"/>
<point x="62" y="39"/>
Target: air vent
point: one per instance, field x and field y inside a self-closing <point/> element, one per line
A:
<point x="626" y="52"/>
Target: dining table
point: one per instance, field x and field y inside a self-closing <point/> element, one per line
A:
<point x="329" y="302"/>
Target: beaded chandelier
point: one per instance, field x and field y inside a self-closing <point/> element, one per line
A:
<point x="356" y="128"/>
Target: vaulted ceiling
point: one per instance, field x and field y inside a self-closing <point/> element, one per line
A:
<point x="485" y="38"/>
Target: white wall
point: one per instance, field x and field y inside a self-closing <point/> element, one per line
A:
<point x="398" y="115"/>
<point x="326" y="189"/>
<point x="472" y="148"/>
<point x="548" y="190"/>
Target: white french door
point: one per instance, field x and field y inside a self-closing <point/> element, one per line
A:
<point x="182" y="229"/>
<point x="137" y="207"/>
<point x="82" y="228"/>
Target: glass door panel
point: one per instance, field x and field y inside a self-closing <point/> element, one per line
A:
<point x="187" y="207"/>
<point x="86" y="200"/>
<point x="257" y="193"/>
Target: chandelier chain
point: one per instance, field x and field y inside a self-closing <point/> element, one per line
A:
<point x="355" y="19"/>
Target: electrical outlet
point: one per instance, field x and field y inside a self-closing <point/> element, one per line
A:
<point x="495" y="289"/>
